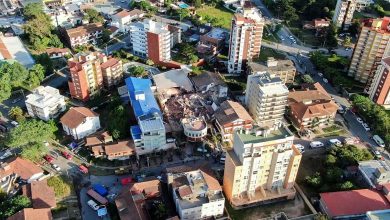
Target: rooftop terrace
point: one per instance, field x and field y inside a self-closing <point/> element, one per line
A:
<point x="262" y="135"/>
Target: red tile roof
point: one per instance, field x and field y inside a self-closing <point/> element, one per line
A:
<point x="109" y="63"/>
<point x="23" y="168"/>
<point x="41" y="195"/>
<point x="76" y="115"/>
<point x="353" y="202"/>
<point x="32" y="214"/>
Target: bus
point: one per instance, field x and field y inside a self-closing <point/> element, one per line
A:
<point x="98" y="198"/>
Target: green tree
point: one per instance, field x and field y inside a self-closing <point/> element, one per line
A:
<point x="347" y="41"/>
<point x="46" y="62"/>
<point x="93" y="16"/>
<point x="315" y="180"/>
<point x="17" y="73"/>
<point x="347" y="185"/>
<point x="61" y="186"/>
<point x="34" y="152"/>
<point x="331" y="36"/>
<point x="161" y="211"/>
<point x="307" y="79"/>
<point x="35" y="76"/>
<point x="119" y="120"/>
<point x="116" y="134"/>
<point x="32" y="10"/>
<point x="12" y="205"/>
<point x="330" y="160"/>
<point x="183" y="13"/>
<point x="137" y="71"/>
<point x="149" y="62"/>
<point x="198" y="3"/>
<point x="106" y="36"/>
<point x="334" y="174"/>
<point x="16" y="113"/>
<point x="5" y="85"/>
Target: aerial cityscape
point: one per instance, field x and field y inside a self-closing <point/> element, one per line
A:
<point x="195" y="109"/>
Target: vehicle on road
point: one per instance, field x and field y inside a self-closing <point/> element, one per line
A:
<point x="366" y="127"/>
<point x="335" y="142"/>
<point x="300" y="147"/>
<point x="93" y="205"/>
<point x="378" y="140"/>
<point x="325" y="80"/>
<point x="83" y="169"/>
<point x="282" y="38"/>
<point x="320" y="74"/>
<point x="316" y="144"/>
<point x="359" y="120"/>
<point x="377" y="154"/>
<point x="222" y="160"/>
<point x="48" y="158"/>
<point x="67" y="155"/>
<point x="14" y="123"/>
<point x="56" y="167"/>
<point x="100" y="189"/>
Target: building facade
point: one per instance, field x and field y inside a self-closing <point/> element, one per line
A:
<point x="195" y="128"/>
<point x="284" y="69"/>
<point x="45" y="103"/>
<point x="372" y="45"/>
<point x="83" y="35"/>
<point x="112" y="72"/>
<point x="266" y="98"/>
<point x="262" y="167"/>
<point x="151" y="40"/>
<point x="197" y="195"/>
<point x="230" y="117"/>
<point x="245" y="39"/>
<point x="123" y="19"/>
<point x="343" y="13"/>
<point x="379" y="91"/>
<point x="80" y="122"/>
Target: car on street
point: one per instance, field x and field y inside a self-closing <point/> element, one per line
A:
<point x="335" y="142"/>
<point x="348" y="49"/>
<point x="67" y="155"/>
<point x="325" y="80"/>
<point x="48" y="158"/>
<point x="300" y="147"/>
<point x="378" y="140"/>
<point x="366" y="127"/>
<point x="341" y="110"/>
<point x="14" y="123"/>
<point x="377" y="154"/>
<point x="359" y="120"/>
<point x="56" y="167"/>
<point x="282" y="38"/>
<point x="316" y="144"/>
<point x="320" y="74"/>
<point x="93" y="205"/>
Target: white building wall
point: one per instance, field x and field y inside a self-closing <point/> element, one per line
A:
<point x="89" y="126"/>
<point x="214" y="208"/>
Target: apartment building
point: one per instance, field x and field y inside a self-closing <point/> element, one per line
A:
<point x="379" y="91"/>
<point x="284" y="69"/>
<point x="372" y="45"/>
<point x="245" y="38"/>
<point x="343" y="13"/>
<point x="149" y="133"/>
<point x="151" y="39"/>
<point x="266" y="98"/>
<point x="262" y="166"/>
<point x="311" y="107"/>
<point x="82" y="35"/>
<point x="45" y="102"/>
<point x="90" y="72"/>
<point x="230" y="117"/>
<point x="197" y="195"/>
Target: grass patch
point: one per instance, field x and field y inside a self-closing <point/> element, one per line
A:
<point x="332" y="128"/>
<point x="235" y="83"/>
<point x="222" y="16"/>
<point x="268" y="52"/>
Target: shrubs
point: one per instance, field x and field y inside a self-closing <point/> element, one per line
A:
<point x="61" y="186"/>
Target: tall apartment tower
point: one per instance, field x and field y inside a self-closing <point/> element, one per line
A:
<point x="245" y="38"/>
<point x="372" y="45"/>
<point x="151" y="40"/>
<point x="379" y="91"/>
<point x="266" y="98"/>
<point x="343" y="13"/>
<point x="263" y="165"/>
<point x="90" y="72"/>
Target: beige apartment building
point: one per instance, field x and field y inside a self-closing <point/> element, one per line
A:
<point x="263" y="165"/>
<point x="284" y="69"/>
<point x="343" y="13"/>
<point x="266" y="98"/>
<point x="245" y="38"/>
<point x="372" y="45"/>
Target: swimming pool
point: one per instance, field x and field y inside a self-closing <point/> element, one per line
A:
<point x="183" y="5"/>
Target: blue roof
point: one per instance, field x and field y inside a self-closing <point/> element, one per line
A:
<point x="135" y="132"/>
<point x="138" y="86"/>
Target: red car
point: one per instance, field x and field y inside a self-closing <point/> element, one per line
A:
<point x="83" y="169"/>
<point x="49" y="158"/>
<point x="67" y="155"/>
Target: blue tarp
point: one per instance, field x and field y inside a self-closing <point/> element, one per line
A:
<point x="102" y="211"/>
<point x="73" y="145"/>
<point x="100" y="189"/>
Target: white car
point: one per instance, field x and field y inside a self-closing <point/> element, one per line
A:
<point x="366" y="127"/>
<point x="300" y="147"/>
<point x="93" y="205"/>
<point x="316" y="144"/>
<point x="56" y="167"/>
<point x="335" y="141"/>
<point x="282" y="38"/>
<point x="325" y="80"/>
<point x="359" y="120"/>
<point x="320" y="74"/>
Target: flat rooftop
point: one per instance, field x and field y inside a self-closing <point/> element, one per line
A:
<point x="369" y="167"/>
<point x="279" y="133"/>
<point x="217" y="33"/>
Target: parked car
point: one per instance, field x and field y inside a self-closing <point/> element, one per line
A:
<point x="49" y="158"/>
<point x="14" y="123"/>
<point x="359" y="120"/>
<point x="316" y="144"/>
<point x="56" y="167"/>
<point x="377" y="154"/>
<point x="282" y="38"/>
<point x="341" y="110"/>
<point x="335" y="142"/>
<point x="93" y="205"/>
<point x="320" y="74"/>
<point x="378" y="140"/>
<point x="325" y="80"/>
<point x="67" y="155"/>
<point x="366" y="127"/>
<point x="300" y="147"/>
<point x="83" y="169"/>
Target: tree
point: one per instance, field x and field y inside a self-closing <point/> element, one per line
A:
<point x="106" y="36"/>
<point x="46" y="62"/>
<point x="149" y="62"/>
<point x="331" y="39"/>
<point x="61" y="186"/>
<point x="32" y="10"/>
<point x="116" y="134"/>
<point x="34" y="152"/>
<point x="93" y="16"/>
<point x="198" y="3"/>
<point x="330" y="160"/>
<point x="119" y="120"/>
<point x="5" y="85"/>
<point x="307" y="79"/>
<point x="347" y="185"/>
<point x="17" y="73"/>
<point x="16" y="113"/>
<point x="334" y="174"/>
<point x="314" y="180"/>
<point x="161" y="211"/>
<point x="347" y="41"/>
<point x="183" y="13"/>
<point x="137" y="71"/>
<point x="12" y="205"/>
<point x="30" y="132"/>
<point x="35" y="76"/>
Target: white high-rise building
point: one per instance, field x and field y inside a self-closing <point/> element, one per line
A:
<point x="45" y="103"/>
<point x="151" y="40"/>
<point x="266" y="98"/>
<point x="245" y="38"/>
<point x="343" y="13"/>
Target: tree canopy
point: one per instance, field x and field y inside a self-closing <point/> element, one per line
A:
<point x="10" y="206"/>
<point x="93" y="16"/>
<point x="61" y="186"/>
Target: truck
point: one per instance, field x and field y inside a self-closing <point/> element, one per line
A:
<point x="100" y="189"/>
<point x="97" y="197"/>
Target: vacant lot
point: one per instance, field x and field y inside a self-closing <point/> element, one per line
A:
<point x="219" y="15"/>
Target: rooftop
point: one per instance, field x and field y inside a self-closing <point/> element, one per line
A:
<point x="206" y="78"/>
<point x="44" y="96"/>
<point x="76" y="116"/>
<point x="30" y="214"/>
<point x="345" y="203"/>
<point x="177" y="78"/>
<point x="110" y="63"/>
<point x="41" y="195"/>
<point x="368" y="169"/>
<point x="230" y="111"/>
<point x="23" y="168"/>
<point x="194" y="124"/>
<point x="217" y="33"/>
<point x="263" y="135"/>
<point x="379" y="215"/>
<point x="281" y="65"/>
<point x="12" y="48"/>
<point x="270" y="85"/>
<point x="119" y="147"/>
<point x="84" y="30"/>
